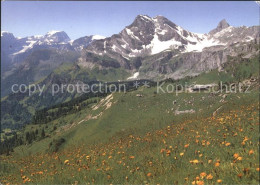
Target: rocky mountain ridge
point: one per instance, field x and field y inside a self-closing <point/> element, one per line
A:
<point x="149" y="37"/>
<point x="147" y="48"/>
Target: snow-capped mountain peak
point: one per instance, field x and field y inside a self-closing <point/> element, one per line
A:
<point x="57" y="37"/>
<point x="38" y="36"/>
<point x="83" y="42"/>
<point x="149" y="36"/>
<point x="52" y="32"/>
<point x="7" y="35"/>
<point x="144" y="17"/>
<point x="4" y="33"/>
<point x="53" y="39"/>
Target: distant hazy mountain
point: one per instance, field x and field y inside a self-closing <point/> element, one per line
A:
<point x="16" y="49"/>
<point x="32" y="58"/>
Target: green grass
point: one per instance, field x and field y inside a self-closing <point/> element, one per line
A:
<point x="156" y="144"/>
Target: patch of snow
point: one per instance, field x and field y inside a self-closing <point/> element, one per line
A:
<point x="114" y="47"/>
<point x="52" y="32"/>
<point x="200" y="35"/>
<point x="135" y="75"/>
<point x="162" y="32"/>
<point x="105" y="46"/>
<point x="3" y="32"/>
<point x="144" y="46"/>
<point x="25" y="48"/>
<point x="124" y="46"/>
<point x="179" y="30"/>
<point x="125" y="57"/>
<point x="192" y="38"/>
<point x="159" y="46"/>
<point x="200" y="45"/>
<point x="130" y="33"/>
<point x="135" y="50"/>
<point x="155" y="19"/>
<point x="97" y="37"/>
<point x="38" y="36"/>
<point x="132" y="55"/>
<point x="228" y="29"/>
<point x="146" y="17"/>
<point x="248" y="38"/>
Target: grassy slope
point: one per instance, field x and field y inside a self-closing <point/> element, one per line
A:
<point x="159" y="151"/>
<point x="130" y="112"/>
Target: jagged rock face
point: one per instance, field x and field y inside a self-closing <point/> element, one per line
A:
<point x="232" y="34"/>
<point x="221" y="25"/>
<point x="81" y="43"/>
<point x="7" y="42"/>
<point x="145" y="36"/>
<point x="169" y="65"/>
<point x="10" y="44"/>
<point x="57" y="36"/>
<point x="148" y="36"/>
<point x="7" y="37"/>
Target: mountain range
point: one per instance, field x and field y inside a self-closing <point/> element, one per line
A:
<point x="35" y="57"/>
<point x="162" y="45"/>
<point x="149" y="48"/>
<point x="145" y="37"/>
<point x="19" y="48"/>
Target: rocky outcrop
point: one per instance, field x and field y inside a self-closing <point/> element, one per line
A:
<point x="221" y="25"/>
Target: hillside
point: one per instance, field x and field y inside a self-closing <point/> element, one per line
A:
<point x="145" y="137"/>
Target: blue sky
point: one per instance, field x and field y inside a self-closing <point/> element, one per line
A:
<point x="81" y="18"/>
